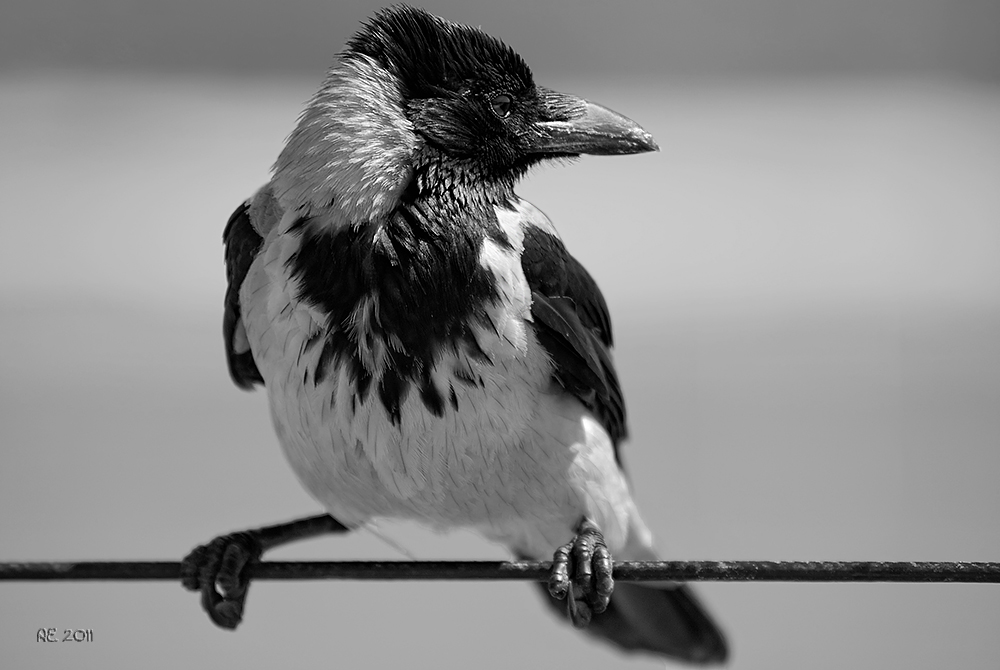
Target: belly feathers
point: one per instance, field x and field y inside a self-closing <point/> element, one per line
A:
<point x="458" y="467"/>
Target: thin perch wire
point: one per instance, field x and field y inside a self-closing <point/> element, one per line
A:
<point x="537" y="571"/>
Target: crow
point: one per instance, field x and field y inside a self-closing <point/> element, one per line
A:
<point x="430" y="349"/>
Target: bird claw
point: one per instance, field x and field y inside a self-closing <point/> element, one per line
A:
<point x="219" y="570"/>
<point x="581" y="574"/>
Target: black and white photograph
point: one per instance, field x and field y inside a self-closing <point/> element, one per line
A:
<point x="558" y="334"/>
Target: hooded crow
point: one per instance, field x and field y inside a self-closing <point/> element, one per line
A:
<point x="430" y="349"/>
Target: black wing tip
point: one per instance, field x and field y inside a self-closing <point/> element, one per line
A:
<point x="582" y="361"/>
<point x="242" y="367"/>
<point x="244" y="373"/>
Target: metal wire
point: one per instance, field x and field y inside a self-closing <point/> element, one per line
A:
<point x="686" y="571"/>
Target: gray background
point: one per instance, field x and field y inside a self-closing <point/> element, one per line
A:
<point x="805" y="284"/>
<point x="680" y="37"/>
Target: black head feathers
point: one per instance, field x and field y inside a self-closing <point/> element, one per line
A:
<point x="469" y="99"/>
<point x="428" y="54"/>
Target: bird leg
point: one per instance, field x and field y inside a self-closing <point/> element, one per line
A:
<point x="222" y="568"/>
<point x="581" y="570"/>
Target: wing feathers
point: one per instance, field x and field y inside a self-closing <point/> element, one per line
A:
<point x="242" y="244"/>
<point x="568" y="342"/>
<point x="571" y="322"/>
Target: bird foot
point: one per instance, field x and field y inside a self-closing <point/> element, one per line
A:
<point x="581" y="574"/>
<point x="219" y="570"/>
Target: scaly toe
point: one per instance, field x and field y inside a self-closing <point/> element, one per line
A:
<point x="582" y="570"/>
<point x="604" y="583"/>
<point x="219" y="570"/>
<point x="559" y="580"/>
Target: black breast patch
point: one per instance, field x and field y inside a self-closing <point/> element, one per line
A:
<point x="430" y="290"/>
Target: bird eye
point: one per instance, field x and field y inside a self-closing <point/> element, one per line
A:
<point x="500" y="104"/>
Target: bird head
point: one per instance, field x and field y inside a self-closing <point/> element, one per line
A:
<point x="415" y="92"/>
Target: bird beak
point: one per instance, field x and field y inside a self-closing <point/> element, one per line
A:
<point x="572" y="125"/>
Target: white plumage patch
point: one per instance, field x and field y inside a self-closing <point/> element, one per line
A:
<point x="512" y="311"/>
<point x="513" y="455"/>
<point x="350" y="155"/>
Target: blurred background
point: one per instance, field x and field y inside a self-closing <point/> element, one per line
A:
<point x="805" y="284"/>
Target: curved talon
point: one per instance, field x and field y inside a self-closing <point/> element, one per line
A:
<point x="578" y="611"/>
<point x="582" y="569"/>
<point x="219" y="570"/>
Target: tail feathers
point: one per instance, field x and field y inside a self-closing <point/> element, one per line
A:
<point x="663" y="618"/>
<point x="666" y="620"/>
